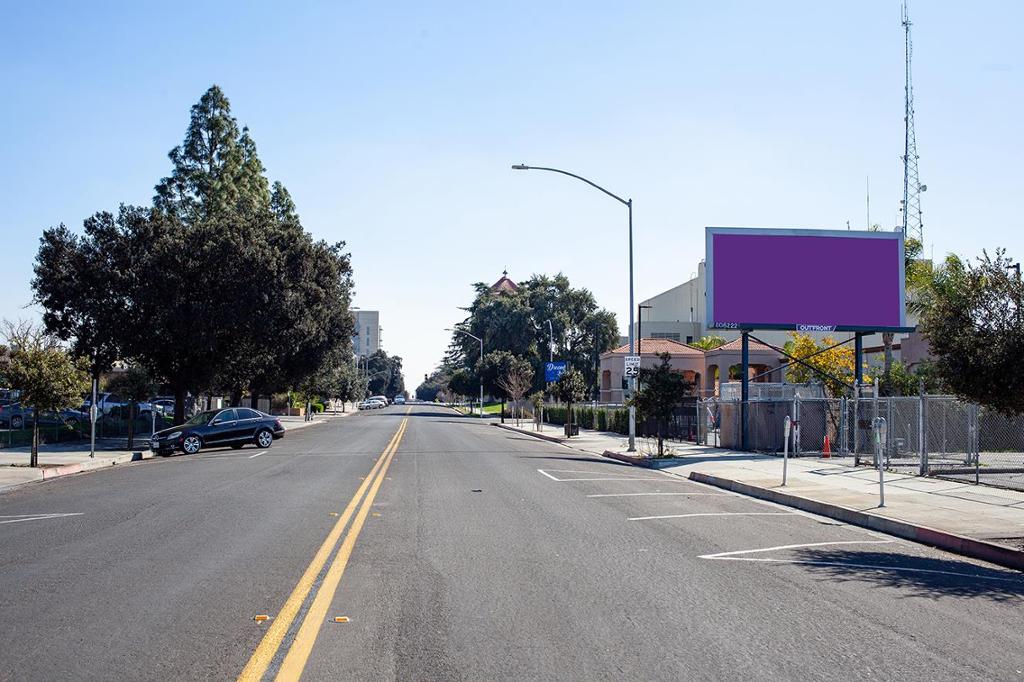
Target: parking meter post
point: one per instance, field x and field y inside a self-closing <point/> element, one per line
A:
<point x="786" y="425"/>
<point x="881" y="433"/>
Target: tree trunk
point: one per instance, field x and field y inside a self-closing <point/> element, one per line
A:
<point x="131" y="424"/>
<point x="33" y="458"/>
<point x="254" y="399"/>
<point x="236" y="397"/>
<point x="179" y="404"/>
<point x="502" y="410"/>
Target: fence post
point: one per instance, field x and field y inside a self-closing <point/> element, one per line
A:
<point x="856" y="424"/>
<point x="796" y="429"/>
<point x="922" y="429"/>
<point x="844" y="423"/>
<point x="975" y="443"/>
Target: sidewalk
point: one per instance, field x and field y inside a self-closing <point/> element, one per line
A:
<point x="979" y="521"/>
<point x="62" y="459"/>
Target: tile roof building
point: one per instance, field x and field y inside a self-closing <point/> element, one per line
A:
<point x="705" y="369"/>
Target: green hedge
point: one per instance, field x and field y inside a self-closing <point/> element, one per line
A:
<point x="585" y="416"/>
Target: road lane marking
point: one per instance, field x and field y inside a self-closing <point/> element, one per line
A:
<point x="258" y="454"/>
<point x="549" y="475"/>
<point x="646" y="494"/>
<point x="302" y="646"/>
<point x="873" y="567"/>
<point x="18" y="518"/>
<point x="603" y="478"/>
<point x="720" y="555"/>
<point x="271" y="642"/>
<point x="687" y="516"/>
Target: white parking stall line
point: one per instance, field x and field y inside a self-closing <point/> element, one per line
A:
<point x="647" y="494"/>
<point x="687" y="516"/>
<point x="18" y="518"/>
<point x="722" y="555"/>
<point x="602" y="478"/>
<point x="258" y="454"/>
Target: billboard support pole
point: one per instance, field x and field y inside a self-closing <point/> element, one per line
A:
<point x="858" y="358"/>
<point x="745" y="391"/>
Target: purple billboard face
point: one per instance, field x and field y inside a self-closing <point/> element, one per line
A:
<point x="811" y="280"/>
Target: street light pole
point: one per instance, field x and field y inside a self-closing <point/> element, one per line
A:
<point x="462" y="331"/>
<point x="551" y="342"/>
<point x="628" y="203"/>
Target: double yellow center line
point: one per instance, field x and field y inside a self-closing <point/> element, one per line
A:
<point x="298" y="653"/>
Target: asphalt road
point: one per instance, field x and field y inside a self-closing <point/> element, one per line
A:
<point x="453" y="550"/>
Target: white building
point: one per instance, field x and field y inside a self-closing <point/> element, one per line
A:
<point x="366" y="341"/>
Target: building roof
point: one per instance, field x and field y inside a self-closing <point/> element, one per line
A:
<point x="659" y="346"/>
<point x="736" y="346"/>
<point x="504" y="285"/>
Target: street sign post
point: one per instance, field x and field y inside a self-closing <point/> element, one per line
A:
<point x="554" y="370"/>
<point x="632" y="366"/>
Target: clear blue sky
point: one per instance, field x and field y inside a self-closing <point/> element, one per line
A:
<point x="394" y="127"/>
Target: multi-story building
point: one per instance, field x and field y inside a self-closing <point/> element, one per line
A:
<point x="366" y="341"/>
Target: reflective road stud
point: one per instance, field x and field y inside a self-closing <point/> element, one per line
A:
<point x="261" y="617"/>
<point x="341" y="619"/>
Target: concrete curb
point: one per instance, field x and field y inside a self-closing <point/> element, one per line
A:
<point x="958" y="544"/>
<point x="533" y="434"/>
<point x="644" y="462"/>
<point x="50" y="473"/>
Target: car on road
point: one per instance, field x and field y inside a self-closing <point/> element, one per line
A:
<point x="399" y="400"/>
<point x="234" y="426"/>
<point x="16" y="416"/>
<point x="372" y="404"/>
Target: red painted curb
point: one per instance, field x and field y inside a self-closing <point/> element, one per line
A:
<point x="54" y="472"/>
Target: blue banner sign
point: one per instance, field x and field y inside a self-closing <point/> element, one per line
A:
<point x="553" y="370"/>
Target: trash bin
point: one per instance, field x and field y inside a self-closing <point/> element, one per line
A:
<point x="572" y="429"/>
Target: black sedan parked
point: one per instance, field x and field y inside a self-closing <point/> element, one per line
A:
<point x="234" y="426"/>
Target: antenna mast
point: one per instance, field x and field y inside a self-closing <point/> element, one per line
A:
<point x="910" y="207"/>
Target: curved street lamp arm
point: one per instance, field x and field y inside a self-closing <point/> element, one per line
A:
<point x="462" y="331"/>
<point x="520" y="166"/>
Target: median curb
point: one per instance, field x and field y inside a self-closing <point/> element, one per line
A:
<point x="951" y="542"/>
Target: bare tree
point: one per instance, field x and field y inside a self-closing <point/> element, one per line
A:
<point x="516" y="382"/>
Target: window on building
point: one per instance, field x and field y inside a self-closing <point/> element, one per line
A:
<point x="674" y="336"/>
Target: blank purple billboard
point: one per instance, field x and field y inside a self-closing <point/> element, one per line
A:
<point x="810" y="280"/>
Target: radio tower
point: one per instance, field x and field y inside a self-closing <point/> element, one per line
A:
<point x="913" y="227"/>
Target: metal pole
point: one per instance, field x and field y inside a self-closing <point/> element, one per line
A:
<point x="632" y="408"/>
<point x="551" y="343"/>
<point x="786" y="425"/>
<point x="745" y="392"/>
<point x="881" y="434"/>
<point x="92" y="417"/>
<point x="481" y="378"/>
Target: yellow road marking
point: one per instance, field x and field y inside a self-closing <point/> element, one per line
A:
<point x="268" y="646"/>
<point x="298" y="654"/>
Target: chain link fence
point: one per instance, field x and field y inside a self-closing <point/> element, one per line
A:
<point x="926" y="435"/>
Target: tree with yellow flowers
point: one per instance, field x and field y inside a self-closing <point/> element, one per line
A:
<point x="834" y="366"/>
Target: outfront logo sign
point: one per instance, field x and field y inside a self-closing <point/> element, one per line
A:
<point x="816" y="327"/>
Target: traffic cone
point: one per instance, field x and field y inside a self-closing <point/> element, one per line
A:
<point x="826" y="450"/>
